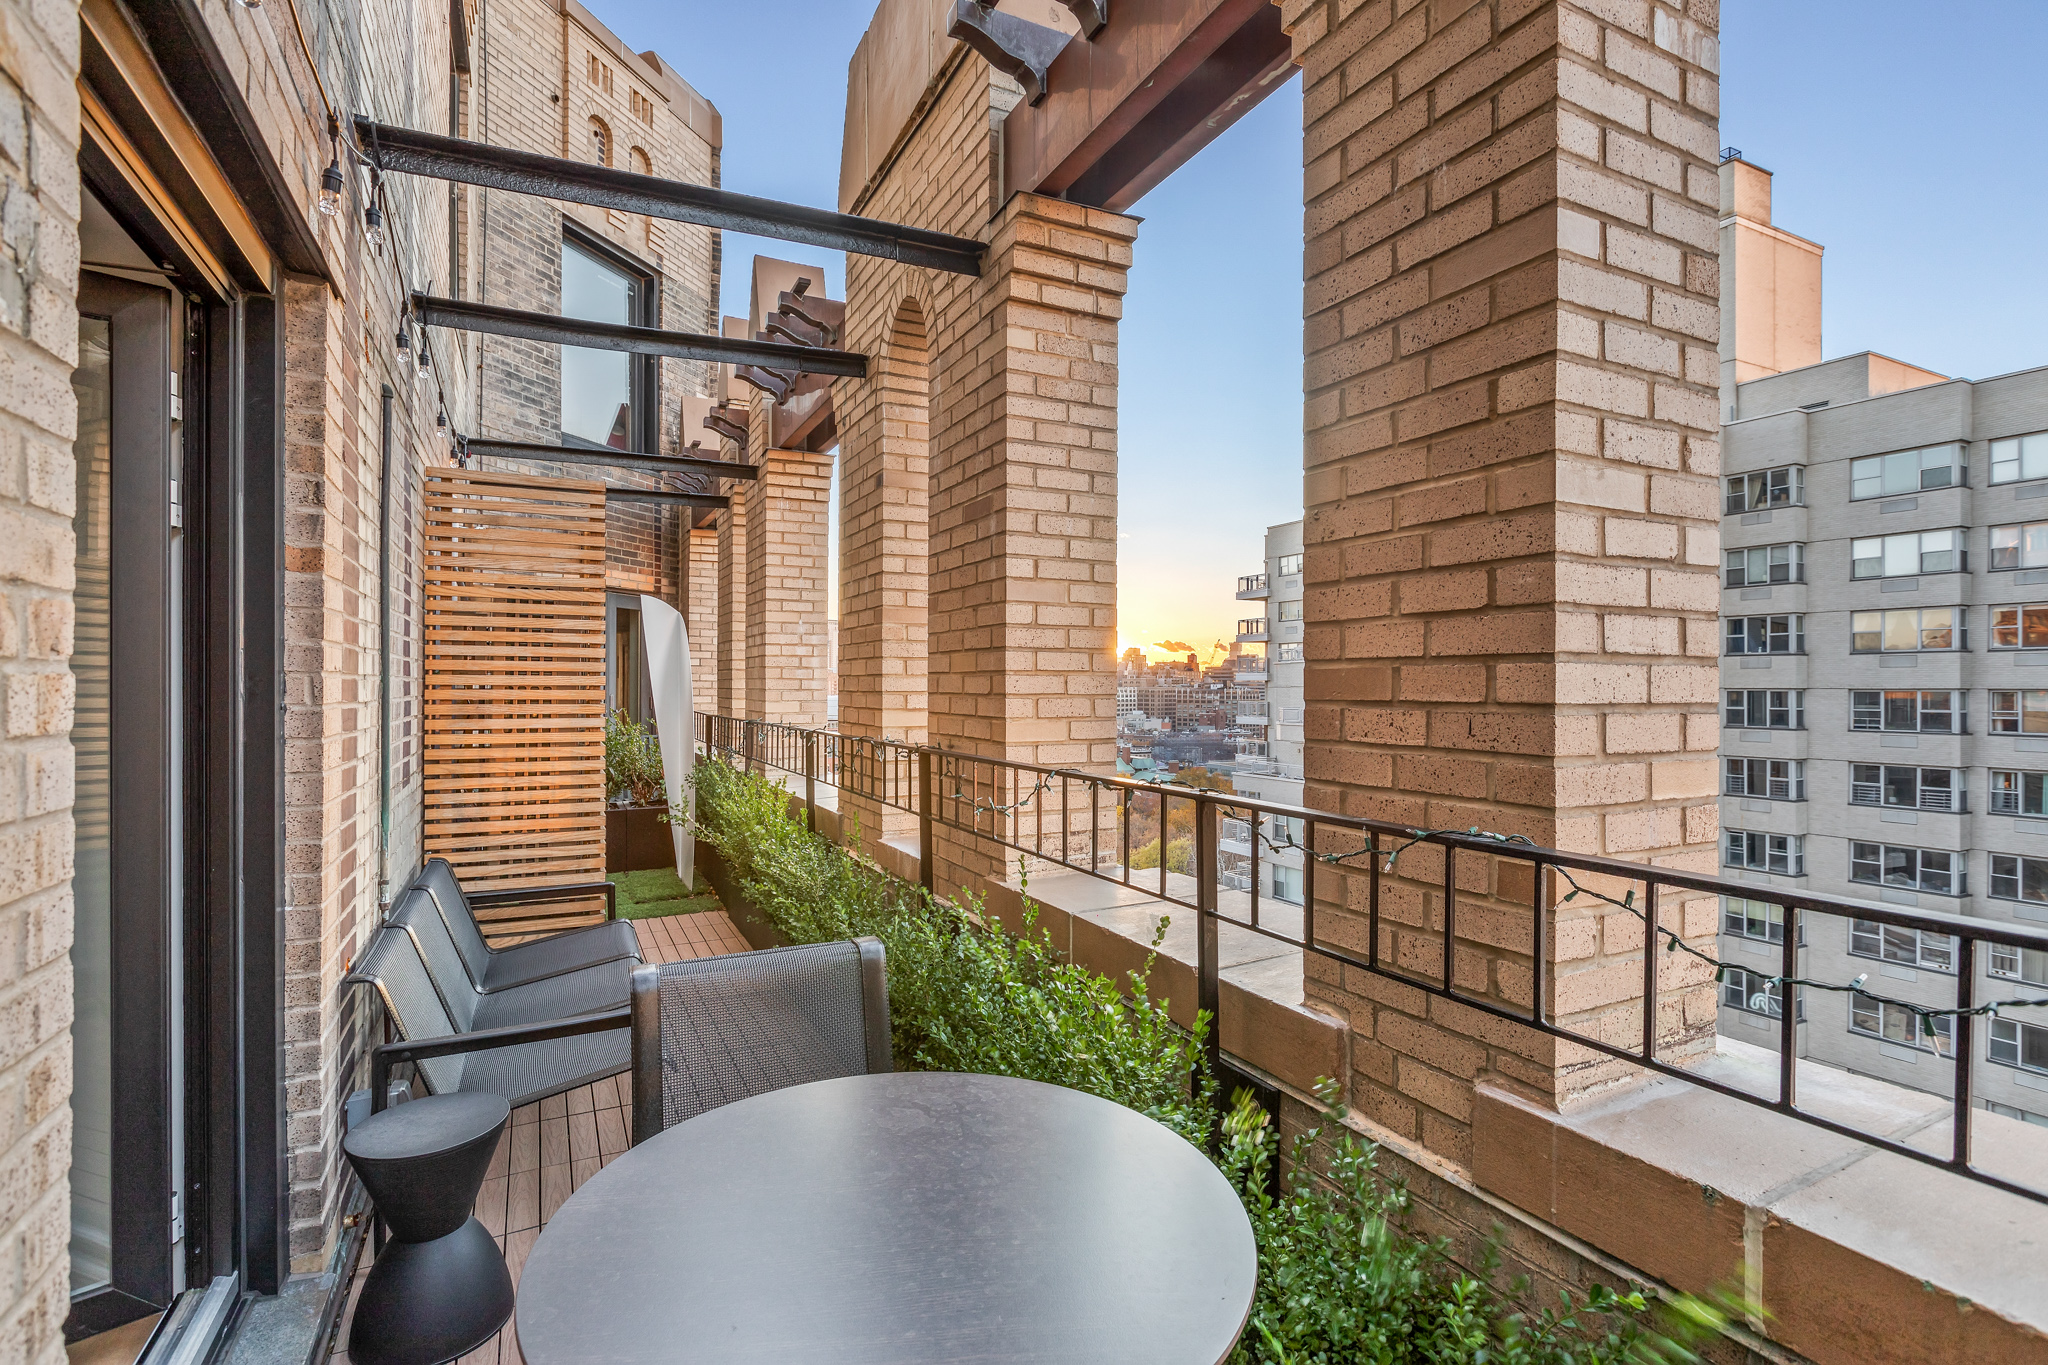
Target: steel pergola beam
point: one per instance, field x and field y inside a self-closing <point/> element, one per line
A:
<point x="662" y="496"/>
<point x="407" y="151"/>
<point x="620" y="459"/>
<point x="619" y="336"/>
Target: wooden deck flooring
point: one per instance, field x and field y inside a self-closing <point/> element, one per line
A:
<point x="551" y="1148"/>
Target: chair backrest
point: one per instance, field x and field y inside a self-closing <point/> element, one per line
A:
<point x="416" y="915"/>
<point x="391" y="965"/>
<point x="717" y="1029"/>
<point x="437" y="880"/>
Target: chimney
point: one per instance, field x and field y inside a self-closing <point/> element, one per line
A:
<point x="1770" y="284"/>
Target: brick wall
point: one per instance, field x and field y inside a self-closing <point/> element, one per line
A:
<point x="38" y="419"/>
<point x="1511" y="530"/>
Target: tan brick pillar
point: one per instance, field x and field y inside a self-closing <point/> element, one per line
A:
<point x="730" y="634"/>
<point x="699" y="572"/>
<point x="1023" y="500"/>
<point x="1511" y="538"/>
<point x="787" y="528"/>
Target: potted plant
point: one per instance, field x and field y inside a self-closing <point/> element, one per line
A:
<point x="635" y="835"/>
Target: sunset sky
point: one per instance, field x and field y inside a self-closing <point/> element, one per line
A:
<point x="1210" y="420"/>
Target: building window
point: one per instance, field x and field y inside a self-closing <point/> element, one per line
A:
<point x="1766" y="635"/>
<point x="2019" y="713"/>
<point x="605" y="394"/>
<point x="1290" y="611"/>
<point x="2015" y="878"/>
<point x="1761" y="709"/>
<point x="2017" y="1044"/>
<point x="1782" y="487"/>
<point x="2020" y="547"/>
<point x="642" y="107"/>
<point x="1759" y="920"/>
<point x="1289" y="564"/>
<point x="600" y="74"/>
<point x="2019" y="964"/>
<point x="1912" y="629"/>
<point x="1926" y="713"/>
<point x="1933" y="870"/>
<point x="2019" y="627"/>
<point x="1288" y="654"/>
<point x="2008" y="1111"/>
<point x="600" y="141"/>
<point x="1908" y="555"/>
<point x="1913" y="947"/>
<point x="1759" y="994"/>
<point x="1897" y="1024"/>
<point x="2018" y="793"/>
<point x="1784" y="854"/>
<point x="1905" y="471"/>
<point x="1774" y="779"/>
<point x="1873" y="784"/>
<point x="1763" y="564"/>
<point x="2020" y="457"/>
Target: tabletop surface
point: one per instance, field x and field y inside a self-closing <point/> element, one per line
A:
<point x="897" y="1219"/>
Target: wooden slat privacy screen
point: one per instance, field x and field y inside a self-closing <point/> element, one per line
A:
<point x="513" y="687"/>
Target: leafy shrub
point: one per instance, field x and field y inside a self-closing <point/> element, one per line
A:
<point x="1340" y="1280"/>
<point x="632" y="763"/>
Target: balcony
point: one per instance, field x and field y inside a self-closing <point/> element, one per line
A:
<point x="1251" y="630"/>
<point x="1251" y="586"/>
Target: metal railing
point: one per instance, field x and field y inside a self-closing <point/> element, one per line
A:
<point x="1089" y="822"/>
<point x="1251" y="583"/>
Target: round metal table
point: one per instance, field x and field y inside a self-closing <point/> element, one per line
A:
<point x="897" y="1219"/>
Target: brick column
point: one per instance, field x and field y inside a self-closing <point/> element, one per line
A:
<point x="1511" y="538"/>
<point x="787" y="537"/>
<point x="699" y="573"/>
<point x="1023" y="501"/>
<point x="730" y="636"/>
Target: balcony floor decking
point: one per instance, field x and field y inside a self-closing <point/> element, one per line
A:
<point x="552" y="1147"/>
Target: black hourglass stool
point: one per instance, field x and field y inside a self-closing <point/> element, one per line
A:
<point x="440" y="1288"/>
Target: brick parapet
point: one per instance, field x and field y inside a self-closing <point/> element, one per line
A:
<point x="787" y="538"/>
<point x="700" y="615"/>
<point x="1511" y="515"/>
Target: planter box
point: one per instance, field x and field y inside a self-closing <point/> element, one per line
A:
<point x="750" y="922"/>
<point x="637" y="838"/>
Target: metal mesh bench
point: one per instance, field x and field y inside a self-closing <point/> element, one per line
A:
<point x="495" y="969"/>
<point x="718" y="1029"/>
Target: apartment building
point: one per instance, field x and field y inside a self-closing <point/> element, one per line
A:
<point x="1269" y="756"/>
<point x="1884" y="605"/>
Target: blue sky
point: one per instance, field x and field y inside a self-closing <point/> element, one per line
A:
<point x="1904" y="137"/>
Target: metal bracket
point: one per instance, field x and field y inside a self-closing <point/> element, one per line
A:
<point x="1092" y="14"/>
<point x="1016" y="47"/>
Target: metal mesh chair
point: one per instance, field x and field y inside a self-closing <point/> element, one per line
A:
<point x="584" y="991"/>
<point x="718" y="1029"/>
<point x="524" y="1061"/>
<point x="491" y="970"/>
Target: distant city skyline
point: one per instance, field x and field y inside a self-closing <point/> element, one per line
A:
<point x="1906" y="148"/>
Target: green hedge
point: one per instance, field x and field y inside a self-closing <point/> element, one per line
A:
<point x="1340" y="1280"/>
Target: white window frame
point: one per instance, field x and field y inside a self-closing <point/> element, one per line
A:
<point x="2006" y="1043"/>
<point x="2013" y="707"/>
<point x="1901" y="473"/>
<point x="2016" y="459"/>
<point x="1761" y="565"/>
<point x="1763" y="489"/>
<point x="1906" y="555"/>
<point x="1756" y="851"/>
<point x="1870" y="784"/>
<point x="2009" y="792"/>
<point x="2019" y="964"/>
<point x="2013" y="626"/>
<point x="1860" y="711"/>
<point x="1954" y="881"/>
<point x="1288" y="565"/>
<point x="1735" y="713"/>
<point x="1743" y="989"/>
<point x="1787" y="629"/>
<point x="1918" y="948"/>
<point x="2010" y="873"/>
<point x="1281" y="609"/>
<point x="1771" y="779"/>
<point x="1887" y="1016"/>
<point x="2018" y="545"/>
<point x="1757" y="920"/>
<point x="1926" y="628"/>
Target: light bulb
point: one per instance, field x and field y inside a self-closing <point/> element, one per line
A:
<point x="373" y="224"/>
<point x="404" y="344"/>
<point x="425" y="369"/>
<point x="330" y="188"/>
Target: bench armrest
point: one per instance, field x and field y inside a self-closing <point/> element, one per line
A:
<point x="384" y="1057"/>
<point x="538" y="895"/>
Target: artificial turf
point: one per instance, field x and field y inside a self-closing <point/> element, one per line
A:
<point x="659" y="891"/>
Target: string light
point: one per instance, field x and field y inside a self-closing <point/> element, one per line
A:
<point x="373" y="222"/>
<point x="331" y="182"/>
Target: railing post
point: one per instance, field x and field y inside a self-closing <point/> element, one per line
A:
<point x="811" y="781"/>
<point x="1959" y="1043"/>
<point x="1209" y="991"/>
<point x="927" y="807"/>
